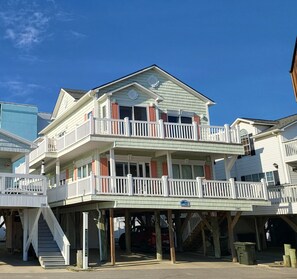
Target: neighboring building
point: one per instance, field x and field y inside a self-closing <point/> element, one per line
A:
<point x="265" y="151"/>
<point x="140" y="146"/>
<point x="293" y="70"/>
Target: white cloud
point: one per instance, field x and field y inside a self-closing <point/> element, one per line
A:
<point x="77" y="34"/>
<point x="16" y="90"/>
<point x="24" y="26"/>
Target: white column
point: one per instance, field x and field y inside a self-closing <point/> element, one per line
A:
<point x="227" y="170"/>
<point x="57" y="173"/>
<point x="169" y="165"/>
<point x="27" y="163"/>
<point x="25" y="234"/>
<point x="112" y="169"/>
<point x="85" y="240"/>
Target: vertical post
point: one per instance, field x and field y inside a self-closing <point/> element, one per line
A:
<point x="169" y="165"/>
<point x="128" y="231"/>
<point x="171" y="238"/>
<point x="231" y="237"/>
<point x="238" y="134"/>
<point x="216" y="235"/>
<point x="179" y="241"/>
<point x="232" y="188"/>
<point x="264" y="187"/>
<point x="127" y="127"/>
<point x="25" y="234"/>
<point x="227" y="133"/>
<point x="27" y="161"/>
<point x="203" y="240"/>
<point x="112" y="170"/>
<point x="195" y="131"/>
<point x="111" y="237"/>
<point x="257" y="235"/>
<point x="159" y="253"/>
<point x="165" y="186"/>
<point x="161" y="129"/>
<point x="85" y="240"/>
<point x="227" y="169"/>
<point x="130" y="184"/>
<point x="199" y="187"/>
<point x="57" y="173"/>
<point x="102" y="238"/>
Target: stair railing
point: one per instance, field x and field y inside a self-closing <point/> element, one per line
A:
<point x="57" y="232"/>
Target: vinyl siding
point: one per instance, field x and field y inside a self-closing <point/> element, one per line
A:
<point x="66" y="99"/>
<point x="175" y="97"/>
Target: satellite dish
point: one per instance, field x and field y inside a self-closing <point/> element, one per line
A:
<point x="153" y="81"/>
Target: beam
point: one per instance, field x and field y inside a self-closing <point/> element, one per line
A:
<point x="171" y="239"/>
<point x="235" y="219"/>
<point x="231" y="237"/>
<point x="205" y="221"/>
<point x="111" y="237"/>
<point x="159" y="253"/>
<point x="289" y="222"/>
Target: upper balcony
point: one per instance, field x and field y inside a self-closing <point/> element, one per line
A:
<point x="164" y="192"/>
<point x="22" y="190"/>
<point x="290" y="147"/>
<point x="125" y="128"/>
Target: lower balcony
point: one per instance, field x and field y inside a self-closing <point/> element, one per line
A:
<point x="150" y="192"/>
<point x="22" y="190"/>
<point x="290" y="148"/>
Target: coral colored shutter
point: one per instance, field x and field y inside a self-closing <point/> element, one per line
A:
<point x="75" y="174"/>
<point x="103" y="167"/>
<point x="85" y="117"/>
<point x="164" y="116"/>
<point x="197" y="120"/>
<point x="152" y="118"/>
<point x="152" y="114"/>
<point x="164" y="168"/>
<point x="67" y="174"/>
<point x="207" y="170"/>
<point x="93" y="167"/>
<point x="154" y="171"/>
<point x="115" y="111"/>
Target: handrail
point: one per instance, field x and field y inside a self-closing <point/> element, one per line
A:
<point x="57" y="232"/>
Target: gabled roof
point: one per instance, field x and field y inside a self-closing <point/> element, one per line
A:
<point x="140" y="88"/>
<point x="254" y="121"/>
<point x="294" y="56"/>
<point x="75" y="93"/>
<point x="162" y="72"/>
<point x="282" y="123"/>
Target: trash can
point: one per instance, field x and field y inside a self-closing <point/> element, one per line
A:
<point x="245" y="252"/>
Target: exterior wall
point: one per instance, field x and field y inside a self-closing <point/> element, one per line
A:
<point x="19" y="119"/>
<point x="290" y="132"/>
<point x="175" y="97"/>
<point x="5" y="165"/>
<point x="268" y="152"/>
<point x="75" y="119"/>
<point x="67" y="102"/>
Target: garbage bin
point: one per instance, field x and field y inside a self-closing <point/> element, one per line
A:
<point x="245" y="252"/>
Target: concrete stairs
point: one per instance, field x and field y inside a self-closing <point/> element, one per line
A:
<point x="49" y="254"/>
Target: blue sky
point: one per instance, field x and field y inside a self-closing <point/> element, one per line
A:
<point x="236" y="52"/>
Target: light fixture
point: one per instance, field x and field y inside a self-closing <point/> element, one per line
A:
<point x="275" y="165"/>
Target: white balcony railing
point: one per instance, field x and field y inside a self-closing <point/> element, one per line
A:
<point x="160" y="187"/>
<point x="22" y="184"/>
<point x="282" y="194"/>
<point x="138" y="129"/>
<point x="290" y="148"/>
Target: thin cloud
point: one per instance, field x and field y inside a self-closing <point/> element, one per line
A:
<point x="24" y="26"/>
<point x="18" y="90"/>
<point x="77" y="34"/>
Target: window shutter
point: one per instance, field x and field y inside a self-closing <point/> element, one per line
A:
<point x="115" y="111"/>
<point x="154" y="171"/>
<point x="152" y="114"/>
<point x="164" y="168"/>
<point x="164" y="116"/>
<point x="207" y="170"/>
<point x="103" y="167"/>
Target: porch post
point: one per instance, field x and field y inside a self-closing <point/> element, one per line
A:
<point x="57" y="172"/>
<point x="159" y="253"/>
<point x="216" y="235"/>
<point x="169" y="165"/>
<point x="231" y="237"/>
<point x="259" y="248"/>
<point x="171" y="238"/>
<point x="179" y="240"/>
<point x="128" y="231"/>
<point x="25" y="234"/>
<point x="112" y="169"/>
<point x="111" y="237"/>
<point x="85" y="240"/>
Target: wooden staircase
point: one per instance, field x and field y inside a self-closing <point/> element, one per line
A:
<point x="49" y="254"/>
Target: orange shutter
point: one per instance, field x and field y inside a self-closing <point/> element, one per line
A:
<point x="164" y="116"/>
<point x="103" y="167"/>
<point x="67" y="174"/>
<point x="75" y="174"/>
<point x="164" y="168"/>
<point x="197" y="119"/>
<point x="152" y="114"/>
<point x="207" y="170"/>
<point x="115" y="111"/>
<point x="154" y="171"/>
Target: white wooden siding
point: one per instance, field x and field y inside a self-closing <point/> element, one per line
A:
<point x="66" y="99"/>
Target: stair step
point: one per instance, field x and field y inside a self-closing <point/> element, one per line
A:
<point x="48" y="249"/>
<point x="50" y="254"/>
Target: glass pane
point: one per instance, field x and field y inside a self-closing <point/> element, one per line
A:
<point x="140" y="113"/>
<point x="140" y="170"/>
<point x="89" y="169"/>
<point x="186" y="172"/>
<point x="173" y="119"/>
<point x="79" y="173"/>
<point x="185" y="119"/>
<point x="175" y="170"/>
<point x="119" y="169"/>
<point x="84" y="170"/>
<point x="133" y="170"/>
<point x="198" y="171"/>
<point x="255" y="177"/>
<point x="147" y="170"/>
<point x="125" y="112"/>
